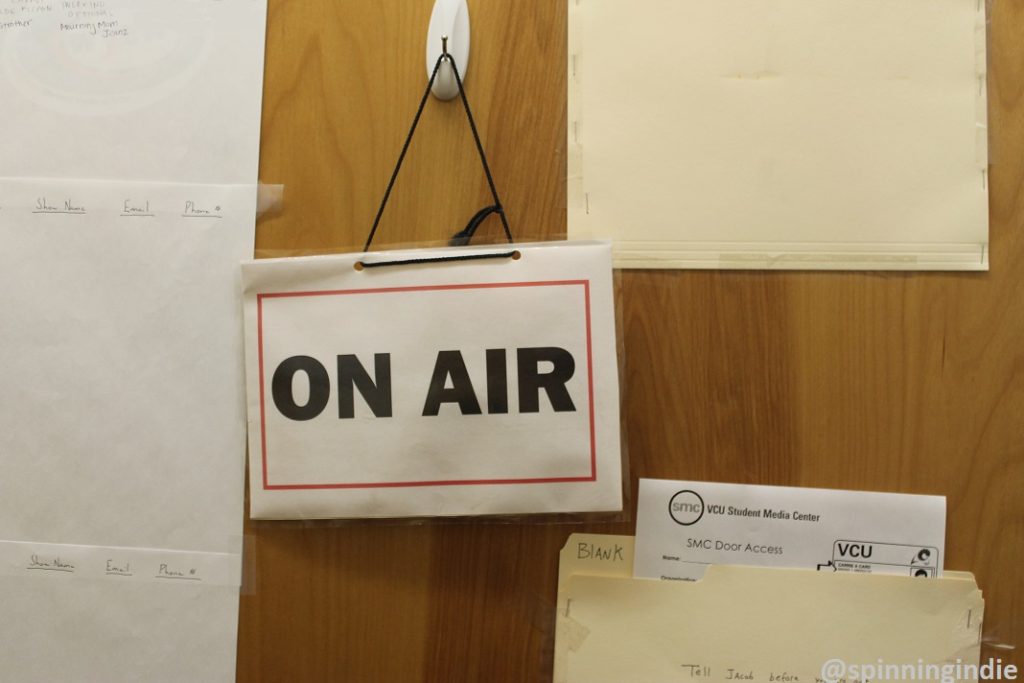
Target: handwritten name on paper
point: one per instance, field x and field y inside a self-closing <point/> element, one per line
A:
<point x="17" y="14"/>
<point x="43" y="205"/>
<point x="102" y="29"/>
<point x="28" y="6"/>
<point x="76" y="17"/>
<point x="55" y="564"/>
<point x="81" y="9"/>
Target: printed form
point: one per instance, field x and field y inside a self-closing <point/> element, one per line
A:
<point x="127" y="200"/>
<point x="684" y="526"/>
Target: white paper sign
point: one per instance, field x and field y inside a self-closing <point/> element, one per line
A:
<point x="683" y="526"/>
<point x="470" y="387"/>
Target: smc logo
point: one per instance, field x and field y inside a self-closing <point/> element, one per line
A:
<point x="686" y="507"/>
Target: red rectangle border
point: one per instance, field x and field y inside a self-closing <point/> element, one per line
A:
<point x="267" y="486"/>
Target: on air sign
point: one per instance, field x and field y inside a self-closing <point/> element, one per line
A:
<point x="463" y="388"/>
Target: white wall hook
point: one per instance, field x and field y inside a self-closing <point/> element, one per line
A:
<point x="450" y="18"/>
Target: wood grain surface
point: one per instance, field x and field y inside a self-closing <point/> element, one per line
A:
<point x="877" y="381"/>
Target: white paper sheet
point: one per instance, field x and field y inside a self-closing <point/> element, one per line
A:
<point x="120" y="410"/>
<point x="682" y="527"/>
<point x="140" y="90"/>
<point x="497" y="453"/>
<point x="793" y="134"/>
<point x="121" y="424"/>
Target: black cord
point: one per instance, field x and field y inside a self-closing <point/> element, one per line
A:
<point x="465" y="235"/>
<point x="480" y="148"/>
<point x="440" y="259"/>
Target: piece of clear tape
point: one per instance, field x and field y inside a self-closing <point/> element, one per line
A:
<point x="68" y="562"/>
<point x="269" y="198"/>
<point x="981" y="57"/>
<point x="574" y="152"/>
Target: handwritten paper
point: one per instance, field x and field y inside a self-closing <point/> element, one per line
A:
<point x="121" y="428"/>
<point x="758" y="624"/>
<point x="119" y="564"/>
<point x="141" y="90"/>
<point x="121" y="416"/>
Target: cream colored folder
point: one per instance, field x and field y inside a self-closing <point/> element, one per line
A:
<point x="766" y="625"/>
<point x="787" y="134"/>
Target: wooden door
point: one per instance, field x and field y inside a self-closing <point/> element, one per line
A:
<point x="880" y="381"/>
